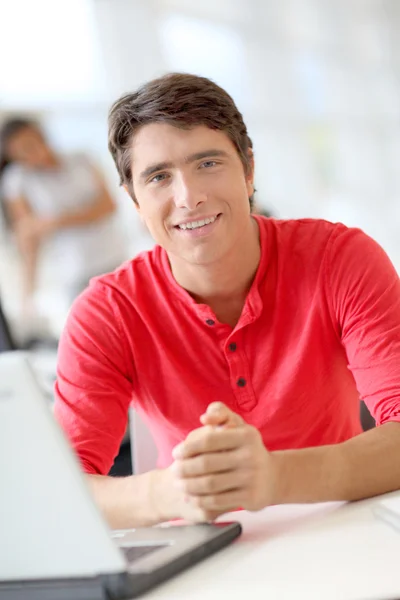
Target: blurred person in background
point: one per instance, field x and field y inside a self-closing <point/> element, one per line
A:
<point x="59" y="210"/>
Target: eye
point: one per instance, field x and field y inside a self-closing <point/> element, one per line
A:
<point x="208" y="164"/>
<point x="158" y="178"/>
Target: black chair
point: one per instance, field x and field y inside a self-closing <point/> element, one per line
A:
<point x="367" y="420"/>
<point x="7" y="341"/>
<point x="123" y="462"/>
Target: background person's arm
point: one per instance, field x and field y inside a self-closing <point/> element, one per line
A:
<point x="102" y="206"/>
<point x="20" y="215"/>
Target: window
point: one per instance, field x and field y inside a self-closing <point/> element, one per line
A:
<point x="48" y="53"/>
<point x="205" y="48"/>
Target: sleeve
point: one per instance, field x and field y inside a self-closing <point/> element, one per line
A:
<point x="95" y="377"/>
<point x="12" y="183"/>
<point x="364" y="292"/>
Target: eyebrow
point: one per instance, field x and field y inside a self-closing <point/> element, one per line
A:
<point x="213" y="152"/>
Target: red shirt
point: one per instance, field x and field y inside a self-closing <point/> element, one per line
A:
<point x="320" y="328"/>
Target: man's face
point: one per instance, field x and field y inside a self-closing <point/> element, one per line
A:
<point x="191" y="189"/>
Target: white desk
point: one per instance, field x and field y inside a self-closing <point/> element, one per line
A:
<point x="315" y="552"/>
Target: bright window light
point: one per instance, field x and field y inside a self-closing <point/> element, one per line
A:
<point x="205" y="48"/>
<point x="48" y="52"/>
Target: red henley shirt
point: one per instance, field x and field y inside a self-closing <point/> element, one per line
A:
<point x="319" y="330"/>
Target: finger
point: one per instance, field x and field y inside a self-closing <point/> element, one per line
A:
<point x="224" y="502"/>
<point x="206" y="464"/>
<point x="213" y="484"/>
<point x="218" y="414"/>
<point x="198" y="515"/>
<point x="208" y="439"/>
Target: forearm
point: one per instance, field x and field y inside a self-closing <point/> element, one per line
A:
<point x="96" y="211"/>
<point x="132" y="501"/>
<point x="29" y="256"/>
<point x="364" y="466"/>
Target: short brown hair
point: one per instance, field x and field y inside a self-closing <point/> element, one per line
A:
<point x="181" y="99"/>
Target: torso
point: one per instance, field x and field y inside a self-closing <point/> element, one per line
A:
<point x="278" y="362"/>
<point x="323" y="312"/>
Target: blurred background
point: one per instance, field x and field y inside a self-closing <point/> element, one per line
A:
<point x="318" y="83"/>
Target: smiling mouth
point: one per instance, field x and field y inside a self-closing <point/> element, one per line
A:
<point x="197" y="224"/>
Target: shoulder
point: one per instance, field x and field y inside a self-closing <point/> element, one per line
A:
<point x="130" y="285"/>
<point x="354" y="256"/>
<point x="300" y="230"/>
<point x="305" y="249"/>
<point x="305" y="238"/>
<point x="112" y="309"/>
<point x="346" y="257"/>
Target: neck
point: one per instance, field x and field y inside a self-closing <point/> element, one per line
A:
<point x="226" y="280"/>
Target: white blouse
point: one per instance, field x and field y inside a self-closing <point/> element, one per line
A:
<point x="78" y="252"/>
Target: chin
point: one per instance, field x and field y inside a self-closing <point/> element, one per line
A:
<point x="203" y="258"/>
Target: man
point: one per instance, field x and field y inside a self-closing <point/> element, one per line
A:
<point x="246" y="343"/>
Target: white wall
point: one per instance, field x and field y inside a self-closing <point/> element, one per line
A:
<point x="316" y="80"/>
<point x="318" y="84"/>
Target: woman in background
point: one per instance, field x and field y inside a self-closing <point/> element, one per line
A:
<point x="59" y="208"/>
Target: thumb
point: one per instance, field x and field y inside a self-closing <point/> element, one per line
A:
<point x="219" y="415"/>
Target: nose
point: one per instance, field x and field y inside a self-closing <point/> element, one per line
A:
<point x="186" y="194"/>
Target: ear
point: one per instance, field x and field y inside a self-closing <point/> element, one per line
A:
<point x="250" y="173"/>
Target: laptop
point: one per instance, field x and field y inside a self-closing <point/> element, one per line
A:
<point x="54" y="542"/>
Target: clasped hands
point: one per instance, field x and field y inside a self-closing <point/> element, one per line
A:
<point x="222" y="466"/>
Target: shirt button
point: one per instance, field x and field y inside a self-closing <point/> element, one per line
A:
<point x="232" y="347"/>
<point x="210" y="322"/>
<point x="241" y="382"/>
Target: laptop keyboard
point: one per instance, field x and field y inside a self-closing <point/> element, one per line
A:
<point x="133" y="553"/>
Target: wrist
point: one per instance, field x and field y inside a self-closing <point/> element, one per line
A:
<point x="161" y="495"/>
<point x="310" y="475"/>
<point x="278" y="474"/>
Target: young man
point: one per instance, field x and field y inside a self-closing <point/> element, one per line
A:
<point x="245" y="342"/>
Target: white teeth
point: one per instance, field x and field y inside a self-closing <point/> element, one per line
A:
<point x="196" y="224"/>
